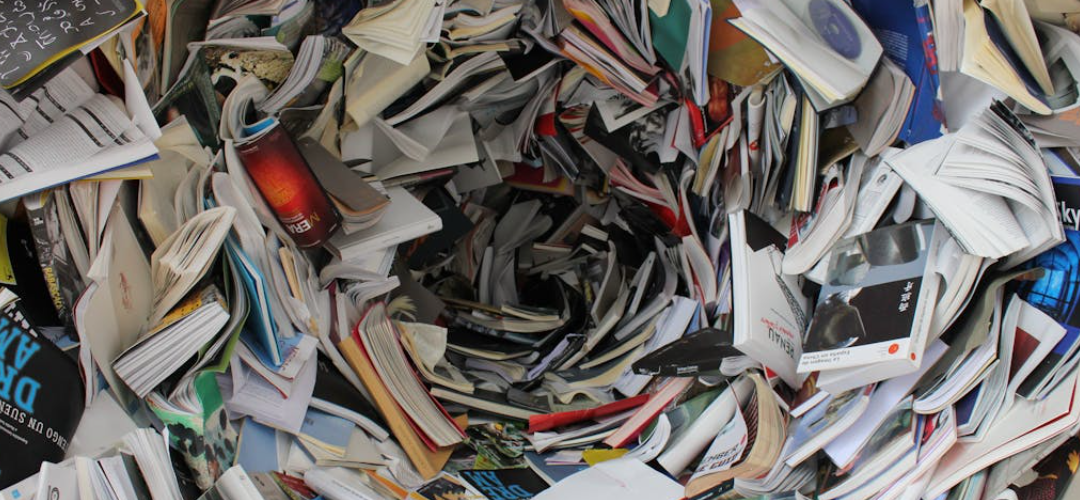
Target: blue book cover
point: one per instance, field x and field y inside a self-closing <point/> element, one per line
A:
<point x="327" y="429"/>
<point x="1057" y="292"/>
<point x="258" y="448"/>
<point x="260" y="332"/>
<point x="965" y="408"/>
<point x="906" y="34"/>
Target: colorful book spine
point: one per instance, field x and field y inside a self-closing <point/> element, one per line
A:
<point x="287" y="184"/>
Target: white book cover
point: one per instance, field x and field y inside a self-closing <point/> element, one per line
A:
<point x="58" y="482"/>
<point x="406" y="219"/>
<point x="769" y="307"/>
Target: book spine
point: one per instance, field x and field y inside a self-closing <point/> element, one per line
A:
<point x="289" y="187"/>
<point x="61" y="276"/>
<point x="926" y="31"/>
<point x="930" y="60"/>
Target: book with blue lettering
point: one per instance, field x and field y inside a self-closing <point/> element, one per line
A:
<point x="41" y="398"/>
<point x="1057" y="293"/>
<point x="506" y="484"/>
<point x="906" y="34"/>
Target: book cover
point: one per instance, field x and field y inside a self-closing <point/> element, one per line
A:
<point x="54" y="40"/>
<point x="41" y="399"/>
<point x="1057" y="292"/>
<point x="286" y="182"/>
<point x="907" y="36"/>
<point x="876" y="301"/>
<point x="1055" y="473"/>
<point x="193" y="97"/>
<point x="62" y="278"/>
<point x="206" y="439"/>
<point x="444" y="487"/>
<point x="332" y="387"/>
<point x="505" y="484"/>
<point x="427" y="462"/>
<point x="769" y="307"/>
<point x="733" y="56"/>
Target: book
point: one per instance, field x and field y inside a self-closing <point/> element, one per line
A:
<point x="625" y="478"/>
<point x="427" y="462"/>
<point x="746" y="449"/>
<point x="770" y="313"/>
<point x="152" y="456"/>
<point x="486" y="401"/>
<point x="380" y="339"/>
<point x="285" y="181"/>
<point x="826" y="44"/>
<point x="405" y="219"/>
<point x="1000" y="47"/>
<point x="823" y="423"/>
<point x="198" y="429"/>
<point x="360" y="205"/>
<point x="335" y="395"/>
<point x="915" y="53"/>
<point x="54" y="45"/>
<point x="733" y="56"/>
<point x="63" y="279"/>
<point x="891" y="295"/>
<point x="1052" y="299"/>
<point x="42" y="399"/>
<point x="921" y="164"/>
<point x="519" y="483"/>
<point x="182" y="260"/>
<point x="180" y="335"/>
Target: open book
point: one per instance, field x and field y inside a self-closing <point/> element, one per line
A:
<point x="824" y="43"/>
<point x="992" y="168"/>
<point x="166" y="347"/>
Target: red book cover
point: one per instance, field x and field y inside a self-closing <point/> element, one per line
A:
<point x="286" y="183"/>
<point x="539" y="423"/>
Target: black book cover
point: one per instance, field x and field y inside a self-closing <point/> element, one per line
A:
<point x="29" y="283"/>
<point x="331" y="386"/>
<point x="455" y="225"/>
<point x="41" y="399"/>
<point x="61" y="276"/>
<point x="518" y="484"/>
<point x="632" y="141"/>
<point x="689" y="356"/>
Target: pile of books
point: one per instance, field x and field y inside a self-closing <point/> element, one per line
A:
<point x="552" y="249"/>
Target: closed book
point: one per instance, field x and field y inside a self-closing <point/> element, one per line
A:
<point x="406" y="219"/>
<point x="41" y="399"/>
<point x="287" y="184"/>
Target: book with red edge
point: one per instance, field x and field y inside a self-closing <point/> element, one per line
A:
<point x="428" y="440"/>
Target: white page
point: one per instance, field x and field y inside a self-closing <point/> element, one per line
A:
<point x="622" y="478"/>
<point x="263" y="402"/>
<point x="888" y="394"/>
